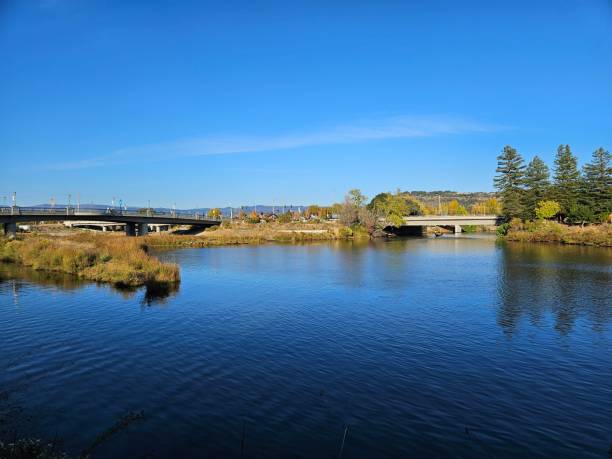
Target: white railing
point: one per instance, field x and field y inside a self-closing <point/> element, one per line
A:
<point x="110" y="211"/>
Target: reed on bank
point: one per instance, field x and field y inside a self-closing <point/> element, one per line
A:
<point x="238" y="234"/>
<point x="548" y="231"/>
<point x="103" y="258"/>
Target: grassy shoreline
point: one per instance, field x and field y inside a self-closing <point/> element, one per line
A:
<point x="113" y="259"/>
<point x="126" y="262"/>
<point x="253" y="234"/>
<point x="552" y="232"/>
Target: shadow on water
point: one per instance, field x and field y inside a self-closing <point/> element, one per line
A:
<point x="14" y="278"/>
<point x="537" y="279"/>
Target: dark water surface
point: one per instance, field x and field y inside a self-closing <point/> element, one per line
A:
<point x="453" y="347"/>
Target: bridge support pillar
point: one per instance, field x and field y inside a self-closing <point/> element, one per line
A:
<point x="10" y="230"/>
<point x="143" y="229"/>
<point x="158" y="229"/>
<point x="130" y="229"/>
<point x="458" y="229"/>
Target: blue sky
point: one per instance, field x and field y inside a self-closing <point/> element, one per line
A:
<point x="210" y="104"/>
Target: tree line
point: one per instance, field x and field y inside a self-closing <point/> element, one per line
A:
<point x="573" y="195"/>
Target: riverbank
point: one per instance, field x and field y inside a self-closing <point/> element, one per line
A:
<point x="121" y="261"/>
<point x="248" y="233"/>
<point x="113" y="259"/>
<point x="546" y="231"/>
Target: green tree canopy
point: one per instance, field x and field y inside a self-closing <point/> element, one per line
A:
<point x="537" y="185"/>
<point x="509" y="181"/>
<point x="392" y="207"/>
<point x="567" y="179"/>
<point x="580" y="213"/>
<point x="598" y="182"/>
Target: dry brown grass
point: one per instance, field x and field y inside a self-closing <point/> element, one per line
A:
<point x="125" y="261"/>
<point x="596" y="235"/>
<point x="251" y="234"/>
<point x="104" y="258"/>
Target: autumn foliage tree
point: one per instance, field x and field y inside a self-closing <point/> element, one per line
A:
<point x="214" y="213"/>
<point x="454" y="208"/>
<point x="313" y="210"/>
<point x="547" y="209"/>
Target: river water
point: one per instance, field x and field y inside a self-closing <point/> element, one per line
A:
<point x="448" y="347"/>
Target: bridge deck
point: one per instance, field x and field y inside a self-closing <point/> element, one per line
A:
<point x="452" y="220"/>
<point x="22" y="214"/>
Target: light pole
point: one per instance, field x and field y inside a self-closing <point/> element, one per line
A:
<point x="69" y="198"/>
<point x="78" y="201"/>
<point x="14" y="198"/>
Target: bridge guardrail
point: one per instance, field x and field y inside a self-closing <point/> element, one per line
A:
<point x="85" y="211"/>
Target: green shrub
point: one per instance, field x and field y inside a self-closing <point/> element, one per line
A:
<point x="502" y="229"/>
<point x="579" y="213"/>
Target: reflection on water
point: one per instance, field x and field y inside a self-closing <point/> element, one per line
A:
<point x="14" y="278"/>
<point x="567" y="281"/>
<point x="532" y="280"/>
<point x="447" y="347"/>
<point x="158" y="294"/>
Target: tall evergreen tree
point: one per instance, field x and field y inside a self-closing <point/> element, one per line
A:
<point x="509" y="181"/>
<point x="598" y="182"/>
<point x="537" y="185"/>
<point x="567" y="179"/>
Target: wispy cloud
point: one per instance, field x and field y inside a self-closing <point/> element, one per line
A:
<point x="390" y="128"/>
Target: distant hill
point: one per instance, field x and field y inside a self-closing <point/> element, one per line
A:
<point x="465" y="199"/>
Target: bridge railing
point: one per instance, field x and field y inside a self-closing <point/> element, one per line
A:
<point x="110" y="211"/>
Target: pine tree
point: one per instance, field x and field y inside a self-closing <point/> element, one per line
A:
<point x="509" y="182"/>
<point x="598" y="182"/>
<point x="567" y="179"/>
<point x="537" y="184"/>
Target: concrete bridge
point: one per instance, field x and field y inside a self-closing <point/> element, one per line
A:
<point x="136" y="222"/>
<point x="112" y="226"/>
<point x="451" y="221"/>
